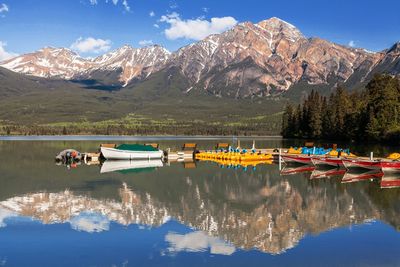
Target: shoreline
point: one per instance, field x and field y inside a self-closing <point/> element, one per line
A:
<point x="132" y="138"/>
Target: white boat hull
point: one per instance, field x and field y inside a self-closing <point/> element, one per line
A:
<point x="112" y="153"/>
<point x="360" y="163"/>
<point x="120" y="165"/>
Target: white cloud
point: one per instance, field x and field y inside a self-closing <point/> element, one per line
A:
<point x="205" y="9"/>
<point x="198" y="242"/>
<point x="90" y="223"/>
<point x="115" y="2"/>
<point x="352" y="43"/>
<point x="145" y="42"/>
<point x="152" y="14"/>
<point x="4" y="55"/>
<point x="4" y="8"/>
<point x="156" y="25"/>
<point x="91" y="45"/>
<point x="173" y="5"/>
<point x="195" y="29"/>
<point x="126" y="5"/>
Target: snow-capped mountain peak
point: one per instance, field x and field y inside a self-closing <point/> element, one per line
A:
<point x="48" y="62"/>
<point x="63" y="63"/>
<point x="280" y="28"/>
<point x="133" y="62"/>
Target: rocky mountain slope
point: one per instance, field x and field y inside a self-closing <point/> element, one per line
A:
<point x="62" y="63"/>
<point x="260" y="59"/>
<point x="273" y="55"/>
<point x="49" y="62"/>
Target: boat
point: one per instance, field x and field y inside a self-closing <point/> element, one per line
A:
<point x="68" y="155"/>
<point x="127" y="166"/>
<point x="389" y="167"/>
<point x="296" y="159"/>
<point x="318" y="173"/>
<point x="330" y="161"/>
<point x="234" y="156"/>
<point x="390" y="181"/>
<point x="351" y="177"/>
<point x="362" y="163"/>
<point x="131" y="151"/>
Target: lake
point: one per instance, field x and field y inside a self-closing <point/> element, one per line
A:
<point x="190" y="214"/>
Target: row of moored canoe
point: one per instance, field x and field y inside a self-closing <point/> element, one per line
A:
<point x="386" y="165"/>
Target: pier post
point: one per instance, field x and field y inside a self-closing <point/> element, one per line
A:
<point x="371" y="156"/>
<point x="280" y="159"/>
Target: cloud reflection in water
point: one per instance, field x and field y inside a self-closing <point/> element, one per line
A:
<point x="4" y="214"/>
<point x="90" y="222"/>
<point x="197" y="242"/>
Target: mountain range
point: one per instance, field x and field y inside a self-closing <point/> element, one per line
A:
<point x="260" y="59"/>
<point x="263" y="62"/>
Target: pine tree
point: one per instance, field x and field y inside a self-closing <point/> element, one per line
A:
<point x="315" y="118"/>
<point x="325" y="118"/>
<point x="383" y="106"/>
<point x="287" y="121"/>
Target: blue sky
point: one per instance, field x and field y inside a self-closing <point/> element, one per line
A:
<point x="95" y="26"/>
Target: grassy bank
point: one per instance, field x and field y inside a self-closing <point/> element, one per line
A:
<point x="134" y="124"/>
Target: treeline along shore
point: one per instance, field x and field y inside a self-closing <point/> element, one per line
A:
<point x="117" y="128"/>
<point x="372" y="114"/>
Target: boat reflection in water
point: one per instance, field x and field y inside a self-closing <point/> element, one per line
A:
<point x="315" y="172"/>
<point x="125" y="166"/>
<point x="290" y="169"/>
<point x="390" y="180"/>
<point x="319" y="173"/>
<point x="361" y="175"/>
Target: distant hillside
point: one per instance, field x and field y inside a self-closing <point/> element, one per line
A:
<point x="156" y="105"/>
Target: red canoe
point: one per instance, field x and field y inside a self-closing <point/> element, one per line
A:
<point x="330" y="161"/>
<point x="303" y="159"/>
<point x="362" y="163"/>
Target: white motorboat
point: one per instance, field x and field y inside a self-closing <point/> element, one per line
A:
<point x="132" y="152"/>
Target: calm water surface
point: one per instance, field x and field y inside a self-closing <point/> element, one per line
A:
<point x="190" y="214"/>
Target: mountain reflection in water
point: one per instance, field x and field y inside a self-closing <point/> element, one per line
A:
<point x="181" y="209"/>
<point x="264" y="214"/>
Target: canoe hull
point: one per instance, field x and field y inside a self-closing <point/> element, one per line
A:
<point x="362" y="163"/>
<point x="296" y="159"/>
<point x="390" y="167"/>
<point x="117" y="154"/>
<point x="335" y="162"/>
